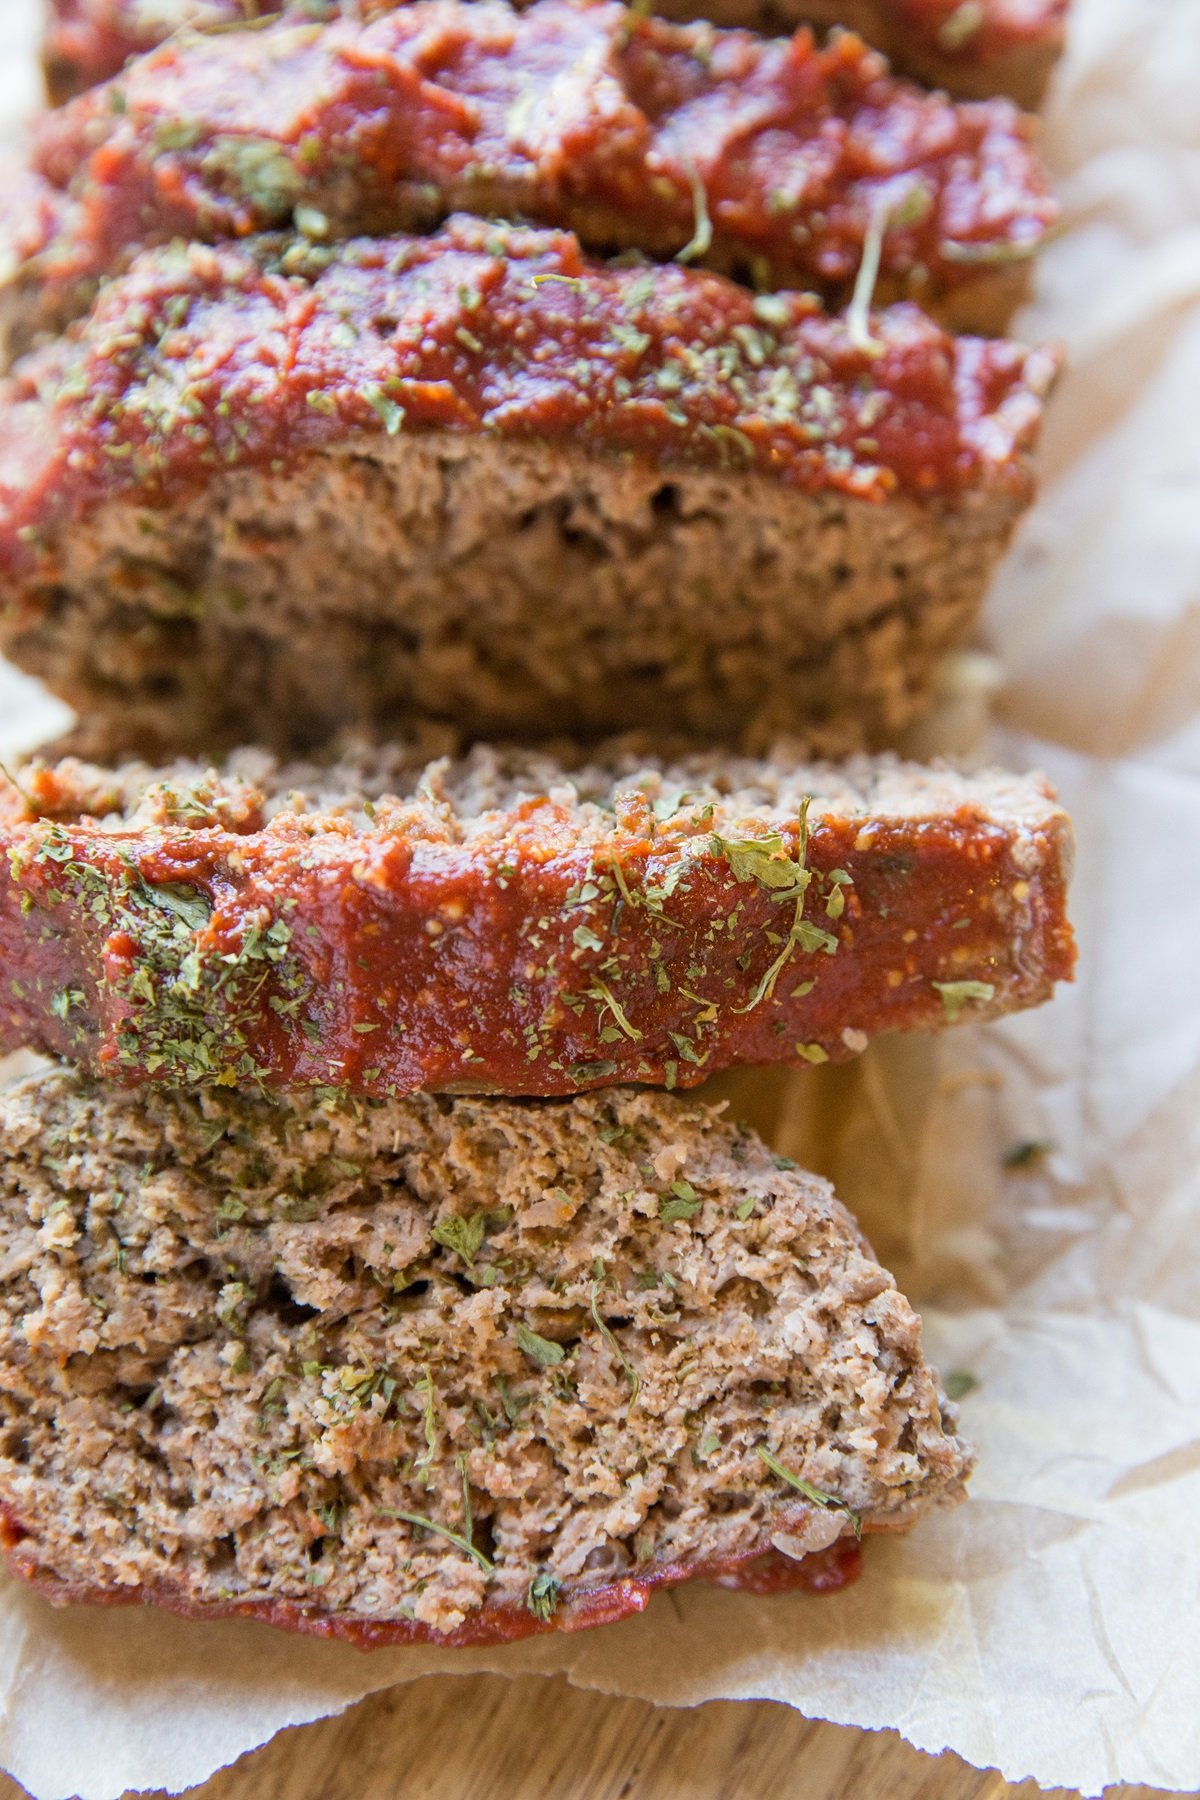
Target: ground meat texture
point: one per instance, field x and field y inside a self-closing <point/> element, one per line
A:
<point x="269" y="490"/>
<point x="770" y="159"/>
<point x="514" y="923"/>
<point x="975" y="49"/>
<point x="436" y="1368"/>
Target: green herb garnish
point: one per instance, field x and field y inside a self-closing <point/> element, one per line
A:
<point x="461" y="1233"/>
<point x="187" y="903"/>
<point x="990" y="254"/>
<point x="835" y="903"/>
<point x="774" y="310"/>
<point x="310" y="221"/>
<point x="683" y="1204"/>
<point x="595" y="1071"/>
<point x="961" y="26"/>
<point x="258" y="171"/>
<point x="443" y="1531"/>
<point x="955" y="994"/>
<point x="514" y="1405"/>
<point x="605" y="1330"/>
<point x="604" y="997"/>
<point x="700" y="241"/>
<point x="427" y="1405"/>
<point x="541" y="1596"/>
<point x="908" y="209"/>
<point x="542" y="1350"/>
<point x="386" y="410"/>
<point x="818" y="1497"/>
<point x="765" y="860"/>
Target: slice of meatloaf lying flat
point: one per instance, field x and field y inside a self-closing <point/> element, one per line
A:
<point x="272" y="489"/>
<point x="515" y="922"/>
<point x="453" y="1369"/>
<point x="975" y="49"/>
<point x="768" y="158"/>
<point x="972" y="48"/>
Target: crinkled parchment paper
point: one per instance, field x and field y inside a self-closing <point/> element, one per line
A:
<point x="1052" y="1626"/>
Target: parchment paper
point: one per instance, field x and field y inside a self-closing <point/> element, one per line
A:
<point x="1051" y="1627"/>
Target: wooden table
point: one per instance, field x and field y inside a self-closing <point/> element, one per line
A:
<point x="481" y="1737"/>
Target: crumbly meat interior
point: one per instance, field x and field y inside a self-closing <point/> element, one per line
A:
<point x="365" y="587"/>
<point x="241" y="1341"/>
<point x="406" y="787"/>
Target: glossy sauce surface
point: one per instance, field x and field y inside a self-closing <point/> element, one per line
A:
<point x="204" y="360"/>
<point x="89" y="40"/>
<point x="767" y="157"/>
<point x="383" y="964"/>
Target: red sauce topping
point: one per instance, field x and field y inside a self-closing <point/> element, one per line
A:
<point x="761" y="156"/>
<point x="984" y="31"/>
<point x="89" y="40"/>
<point x="381" y="964"/>
<point x="199" y="361"/>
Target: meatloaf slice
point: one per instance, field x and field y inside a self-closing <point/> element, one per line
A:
<point x="513" y="922"/>
<point x="767" y="158"/>
<point x="437" y="1369"/>
<point x="974" y="49"/>
<point x="270" y="490"/>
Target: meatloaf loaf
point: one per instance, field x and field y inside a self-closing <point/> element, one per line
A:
<point x="514" y="922"/>
<point x="272" y="489"/>
<point x="456" y="1370"/>
<point x="766" y="158"/>
<point x="975" y="48"/>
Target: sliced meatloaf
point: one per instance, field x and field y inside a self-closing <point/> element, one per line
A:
<point x="513" y="922"/>
<point x="974" y="49"/>
<point x="431" y="1369"/>
<point x="767" y="158"/>
<point x="272" y="489"/>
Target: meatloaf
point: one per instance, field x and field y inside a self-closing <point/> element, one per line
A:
<point x="453" y="1370"/>
<point x="766" y="158"/>
<point x="272" y="489"/>
<point x="514" y="922"/>
<point x="974" y="49"/>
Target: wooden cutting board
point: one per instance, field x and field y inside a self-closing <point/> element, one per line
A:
<point x="480" y="1737"/>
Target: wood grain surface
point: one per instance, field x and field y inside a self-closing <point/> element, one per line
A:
<point x="481" y="1737"/>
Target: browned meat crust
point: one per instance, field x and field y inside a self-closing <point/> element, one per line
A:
<point x="980" y="48"/>
<point x="263" y="494"/>
<point x="516" y="923"/>
<point x="766" y="158"/>
<point x="363" y="1368"/>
